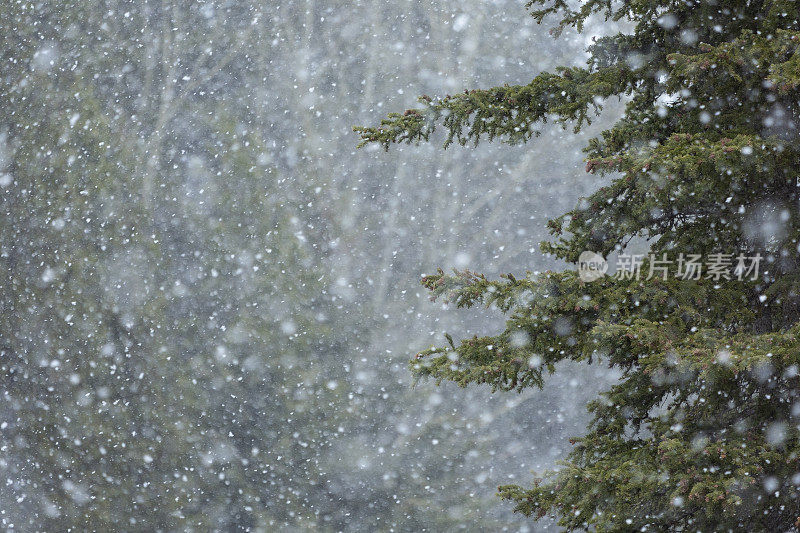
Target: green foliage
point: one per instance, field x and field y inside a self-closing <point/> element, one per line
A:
<point x="495" y="112"/>
<point x="701" y="432"/>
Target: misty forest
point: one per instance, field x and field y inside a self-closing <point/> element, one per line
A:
<point x="400" y="265"/>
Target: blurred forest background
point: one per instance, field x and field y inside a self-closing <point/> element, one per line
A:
<point x="209" y="296"/>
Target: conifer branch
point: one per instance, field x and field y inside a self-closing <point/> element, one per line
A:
<point x="508" y="112"/>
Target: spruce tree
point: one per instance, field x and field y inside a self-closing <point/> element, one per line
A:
<point x="702" y="430"/>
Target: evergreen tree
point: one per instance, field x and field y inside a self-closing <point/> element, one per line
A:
<point x="701" y="432"/>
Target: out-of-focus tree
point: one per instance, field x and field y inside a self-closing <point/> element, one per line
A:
<point x="162" y="358"/>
